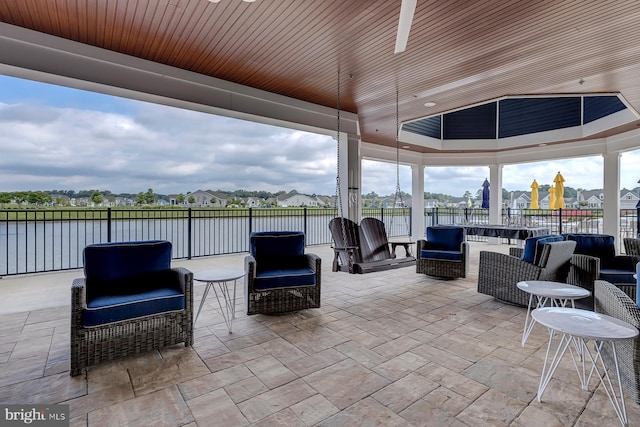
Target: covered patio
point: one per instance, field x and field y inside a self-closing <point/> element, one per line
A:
<point x="386" y="348"/>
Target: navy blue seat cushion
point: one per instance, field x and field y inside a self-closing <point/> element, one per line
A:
<point x="441" y="255"/>
<point x="129" y="280"/>
<point x="282" y="278"/>
<point x="113" y="308"/>
<point x="533" y="246"/>
<point x="280" y="259"/>
<point x="612" y="275"/>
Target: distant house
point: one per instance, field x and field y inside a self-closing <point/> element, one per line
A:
<point x="591" y="199"/>
<point x="297" y="199"/>
<point x="521" y="200"/>
<point x="431" y="203"/>
<point x="173" y="199"/>
<point x="628" y="199"/>
<point x="253" y="202"/>
<point x="206" y="198"/>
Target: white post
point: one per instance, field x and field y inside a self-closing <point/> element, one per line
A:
<point x="495" y="199"/>
<point x="353" y="180"/>
<point x="611" y="208"/>
<point x="417" y="202"/>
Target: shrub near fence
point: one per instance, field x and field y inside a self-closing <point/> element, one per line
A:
<point x="41" y="240"/>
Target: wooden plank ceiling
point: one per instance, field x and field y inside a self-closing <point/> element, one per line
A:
<point x="459" y="52"/>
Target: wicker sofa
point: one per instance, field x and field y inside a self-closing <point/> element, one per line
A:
<point x="280" y="277"/>
<point x="130" y="301"/>
<point x="610" y="300"/>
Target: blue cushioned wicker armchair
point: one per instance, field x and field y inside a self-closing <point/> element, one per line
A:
<point x="445" y="253"/>
<point x="616" y="269"/>
<point x="129" y="301"/>
<point x="280" y="277"/>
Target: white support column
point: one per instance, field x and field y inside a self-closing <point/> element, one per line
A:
<point x="342" y="204"/>
<point x="495" y="194"/>
<point x="417" y="202"/>
<point x="354" y="181"/>
<point x="495" y="199"/>
<point x="611" y="206"/>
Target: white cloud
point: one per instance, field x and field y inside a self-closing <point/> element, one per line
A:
<point x="132" y="146"/>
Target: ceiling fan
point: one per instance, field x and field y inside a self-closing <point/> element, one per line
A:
<point x="407" y="10"/>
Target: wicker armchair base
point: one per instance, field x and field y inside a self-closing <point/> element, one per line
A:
<point x="93" y="345"/>
<point x="282" y="300"/>
<point x="441" y="268"/>
<point x="612" y="301"/>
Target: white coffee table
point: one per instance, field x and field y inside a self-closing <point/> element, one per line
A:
<point x="578" y="327"/>
<point x="555" y="293"/>
<point x="223" y="278"/>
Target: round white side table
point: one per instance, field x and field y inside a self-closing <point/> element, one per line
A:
<point x="555" y="293"/>
<point x="222" y="278"/>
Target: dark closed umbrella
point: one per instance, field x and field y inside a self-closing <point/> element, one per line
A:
<point x="485" y="194"/>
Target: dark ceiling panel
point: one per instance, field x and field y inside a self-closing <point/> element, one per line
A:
<point x="522" y="116"/>
<point x="597" y="107"/>
<point x="477" y="122"/>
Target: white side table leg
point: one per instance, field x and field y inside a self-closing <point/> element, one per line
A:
<point x="229" y="310"/>
<point x="204" y="297"/>
<point x="547" y="372"/>
<point x="615" y="397"/>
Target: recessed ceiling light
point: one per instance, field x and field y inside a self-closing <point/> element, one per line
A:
<point x="406" y="147"/>
<point x="542" y="145"/>
<point x="429" y="104"/>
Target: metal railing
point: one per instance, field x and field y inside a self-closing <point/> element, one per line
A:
<point x="41" y="240"/>
<point x="558" y="221"/>
<point x="33" y="241"/>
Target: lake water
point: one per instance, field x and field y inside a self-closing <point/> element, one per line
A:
<point x="39" y="246"/>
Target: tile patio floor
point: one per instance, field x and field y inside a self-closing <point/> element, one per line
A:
<point x="386" y="349"/>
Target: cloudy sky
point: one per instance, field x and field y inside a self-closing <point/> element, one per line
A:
<point x="56" y="138"/>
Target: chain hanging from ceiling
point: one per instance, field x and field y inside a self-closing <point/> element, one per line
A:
<point x="339" y="204"/>
<point x="397" y="199"/>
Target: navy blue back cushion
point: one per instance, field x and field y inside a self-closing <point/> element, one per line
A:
<point x="277" y="249"/>
<point x="126" y="268"/>
<point x="446" y="238"/>
<point x="280" y="243"/>
<point x="597" y="245"/>
<point x="533" y="246"/>
<point x="114" y="261"/>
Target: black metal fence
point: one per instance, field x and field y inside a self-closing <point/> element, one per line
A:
<point x="558" y="221"/>
<point x="33" y="241"/>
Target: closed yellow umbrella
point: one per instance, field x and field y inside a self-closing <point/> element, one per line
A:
<point x="559" y="180"/>
<point x="552" y="198"/>
<point x="534" y="195"/>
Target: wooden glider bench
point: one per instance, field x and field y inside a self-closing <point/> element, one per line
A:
<point x="363" y="249"/>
